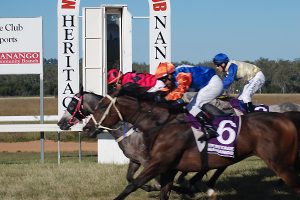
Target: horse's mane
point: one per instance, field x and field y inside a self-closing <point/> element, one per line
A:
<point x="92" y="93"/>
<point x="140" y="94"/>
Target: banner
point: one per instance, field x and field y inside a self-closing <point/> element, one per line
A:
<point x="68" y="52"/>
<point x="21" y="46"/>
<point x="159" y="32"/>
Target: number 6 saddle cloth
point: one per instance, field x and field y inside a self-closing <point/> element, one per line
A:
<point x="228" y="128"/>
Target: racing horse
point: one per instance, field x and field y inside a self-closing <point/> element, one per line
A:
<point x="169" y="138"/>
<point x="291" y="110"/>
<point x="81" y="106"/>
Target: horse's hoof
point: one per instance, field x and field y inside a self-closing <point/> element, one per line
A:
<point x="210" y="192"/>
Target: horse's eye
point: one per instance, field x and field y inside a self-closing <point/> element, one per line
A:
<point x="71" y="106"/>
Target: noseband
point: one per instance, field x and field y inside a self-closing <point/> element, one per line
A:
<point x="112" y="103"/>
<point x="77" y="111"/>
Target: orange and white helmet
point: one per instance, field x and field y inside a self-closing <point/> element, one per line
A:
<point x="113" y="76"/>
<point x="163" y="69"/>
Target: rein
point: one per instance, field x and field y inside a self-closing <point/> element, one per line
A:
<point x="112" y="103"/>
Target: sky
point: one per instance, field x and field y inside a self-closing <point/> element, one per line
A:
<point x="243" y="29"/>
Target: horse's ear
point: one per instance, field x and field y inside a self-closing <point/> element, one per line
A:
<point x="81" y="89"/>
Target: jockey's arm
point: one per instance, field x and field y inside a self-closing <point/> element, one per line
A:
<point x="184" y="81"/>
<point x="230" y="77"/>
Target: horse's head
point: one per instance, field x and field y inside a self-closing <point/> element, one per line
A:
<point x="81" y="105"/>
<point x="140" y="113"/>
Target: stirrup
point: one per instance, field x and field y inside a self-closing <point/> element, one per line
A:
<point x="209" y="133"/>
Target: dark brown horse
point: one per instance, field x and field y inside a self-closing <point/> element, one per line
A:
<point x="270" y="136"/>
<point x="132" y="144"/>
<point x="223" y="102"/>
<point x="84" y="103"/>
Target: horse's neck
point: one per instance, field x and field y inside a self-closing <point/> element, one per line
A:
<point x="147" y="117"/>
<point x="90" y="102"/>
<point x="132" y="144"/>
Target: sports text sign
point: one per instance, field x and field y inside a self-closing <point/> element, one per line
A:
<point x="21" y="46"/>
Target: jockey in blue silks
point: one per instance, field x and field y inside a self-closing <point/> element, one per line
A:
<point x="236" y="70"/>
<point x="204" y="80"/>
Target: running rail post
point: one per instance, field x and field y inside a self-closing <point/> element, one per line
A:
<point x="42" y="135"/>
<point x="79" y="151"/>
<point x="58" y="148"/>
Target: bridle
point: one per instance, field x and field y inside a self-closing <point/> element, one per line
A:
<point x="112" y="103"/>
<point x="77" y="113"/>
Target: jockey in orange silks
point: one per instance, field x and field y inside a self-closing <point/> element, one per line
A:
<point x="183" y="78"/>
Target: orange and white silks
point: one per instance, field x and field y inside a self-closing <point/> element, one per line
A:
<point x="184" y="81"/>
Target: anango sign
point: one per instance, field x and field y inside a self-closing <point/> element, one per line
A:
<point x="21" y="49"/>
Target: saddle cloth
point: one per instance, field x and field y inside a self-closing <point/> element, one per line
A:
<point x="228" y="129"/>
<point x="235" y="103"/>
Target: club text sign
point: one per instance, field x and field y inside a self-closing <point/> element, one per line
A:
<point x="160" y="32"/>
<point x="21" y="46"/>
<point x="68" y="52"/>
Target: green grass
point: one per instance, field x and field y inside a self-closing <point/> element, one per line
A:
<point x="23" y="177"/>
<point x="49" y="158"/>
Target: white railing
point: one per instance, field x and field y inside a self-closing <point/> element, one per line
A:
<point x="27" y="118"/>
<point x="114" y="155"/>
<point x="22" y="128"/>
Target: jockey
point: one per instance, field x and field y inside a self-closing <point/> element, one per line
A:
<point x="202" y="79"/>
<point x="240" y="70"/>
<point x="148" y="81"/>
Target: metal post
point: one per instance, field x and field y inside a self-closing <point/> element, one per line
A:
<point x="79" y="153"/>
<point x="42" y="135"/>
<point x="58" y="148"/>
<point x="42" y="139"/>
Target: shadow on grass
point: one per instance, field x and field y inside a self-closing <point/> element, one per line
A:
<point x="263" y="184"/>
<point x="259" y="184"/>
<point x="253" y="184"/>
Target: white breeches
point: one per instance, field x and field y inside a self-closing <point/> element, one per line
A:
<point x="251" y="87"/>
<point x="213" y="89"/>
<point x="158" y="85"/>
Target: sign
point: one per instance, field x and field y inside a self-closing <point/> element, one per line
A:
<point x="68" y="52"/>
<point x="160" y="33"/>
<point x="21" y="46"/>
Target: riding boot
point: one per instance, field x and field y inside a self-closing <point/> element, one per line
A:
<point x="243" y="106"/>
<point x="250" y="107"/>
<point x="209" y="130"/>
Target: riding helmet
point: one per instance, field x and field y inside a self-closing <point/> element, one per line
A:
<point x="113" y="76"/>
<point x="163" y="69"/>
<point x="220" y="58"/>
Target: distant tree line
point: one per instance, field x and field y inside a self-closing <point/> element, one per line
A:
<point x="282" y="76"/>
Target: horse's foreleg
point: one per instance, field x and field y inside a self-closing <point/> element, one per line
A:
<point x="290" y="177"/>
<point x="181" y="179"/>
<point x="166" y="180"/>
<point x="212" y="181"/>
<point x="132" y="169"/>
<point x="149" y="172"/>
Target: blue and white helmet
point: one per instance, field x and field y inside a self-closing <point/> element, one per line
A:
<point x="220" y="58"/>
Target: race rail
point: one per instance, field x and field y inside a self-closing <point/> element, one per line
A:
<point x="14" y="128"/>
